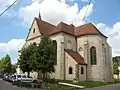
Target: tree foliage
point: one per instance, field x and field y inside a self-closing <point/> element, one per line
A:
<point x="116" y="62"/>
<point x="1" y="64"/>
<point x="14" y="67"/>
<point x="5" y="64"/>
<point x="41" y="57"/>
<point x="27" y="57"/>
<point x="45" y="56"/>
<point x="8" y="65"/>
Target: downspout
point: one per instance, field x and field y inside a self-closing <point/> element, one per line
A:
<point x="86" y="73"/>
<point x="64" y="56"/>
<point x="64" y="67"/>
<point x="64" y="61"/>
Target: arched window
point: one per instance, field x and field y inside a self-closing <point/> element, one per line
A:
<point x="70" y="70"/>
<point x="55" y="49"/>
<point x="93" y="55"/>
<point x="82" y="70"/>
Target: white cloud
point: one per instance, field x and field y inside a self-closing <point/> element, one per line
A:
<point x="14" y="61"/>
<point x="113" y="34"/>
<point x="84" y="0"/>
<point x="11" y="48"/>
<point x="54" y="11"/>
<point x="12" y="45"/>
<point x="4" y="4"/>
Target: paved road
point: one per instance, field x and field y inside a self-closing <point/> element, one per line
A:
<point x="8" y="86"/>
<point x="108" y="87"/>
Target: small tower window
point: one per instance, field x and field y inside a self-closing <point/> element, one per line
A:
<point x="70" y="70"/>
<point x="34" y="30"/>
<point x="82" y="70"/>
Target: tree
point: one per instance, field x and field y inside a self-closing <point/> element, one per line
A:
<point x="7" y="67"/>
<point x="14" y="68"/>
<point x="45" y="60"/>
<point x="5" y="64"/>
<point x="27" y="58"/>
<point x="116" y="61"/>
<point x="1" y="64"/>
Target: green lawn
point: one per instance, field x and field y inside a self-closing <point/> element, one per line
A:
<point x="88" y="83"/>
<point x="55" y="86"/>
<point x="91" y="83"/>
<point x="59" y="87"/>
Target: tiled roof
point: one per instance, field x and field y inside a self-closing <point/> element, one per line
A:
<point x="44" y="27"/>
<point x="87" y="29"/>
<point x="49" y="29"/>
<point x="63" y="27"/>
<point x="76" y="56"/>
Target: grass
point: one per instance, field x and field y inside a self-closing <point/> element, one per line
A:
<point x="59" y="87"/>
<point x="91" y="83"/>
<point x="88" y="84"/>
<point x="116" y="81"/>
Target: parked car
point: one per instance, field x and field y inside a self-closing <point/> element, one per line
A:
<point x="23" y="78"/>
<point x="6" y="77"/>
<point x="10" y="78"/>
<point x="1" y="74"/>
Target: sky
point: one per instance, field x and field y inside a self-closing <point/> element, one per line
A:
<point x="15" y="23"/>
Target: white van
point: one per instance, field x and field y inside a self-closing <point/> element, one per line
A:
<point x="23" y="78"/>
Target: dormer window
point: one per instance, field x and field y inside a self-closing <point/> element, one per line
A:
<point x="34" y="30"/>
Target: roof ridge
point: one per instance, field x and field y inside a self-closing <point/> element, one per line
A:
<point x="98" y="29"/>
<point x="83" y="24"/>
<point x="44" y="21"/>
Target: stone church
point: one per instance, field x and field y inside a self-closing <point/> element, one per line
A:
<point x="82" y="52"/>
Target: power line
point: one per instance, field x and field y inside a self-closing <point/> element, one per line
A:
<point x="17" y="14"/>
<point x="12" y="18"/>
<point x="87" y="9"/>
<point x="8" y="8"/>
